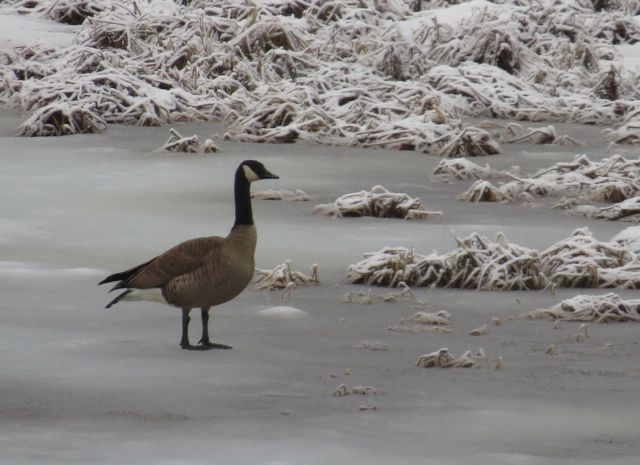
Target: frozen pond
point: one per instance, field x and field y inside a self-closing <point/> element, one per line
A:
<point x="80" y="384"/>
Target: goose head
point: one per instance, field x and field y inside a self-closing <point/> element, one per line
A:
<point x="253" y="170"/>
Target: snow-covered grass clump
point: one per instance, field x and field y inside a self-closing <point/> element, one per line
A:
<point x="628" y="209"/>
<point x="377" y="202"/>
<point x="444" y="359"/>
<point x="580" y="183"/>
<point x="284" y="277"/>
<point x="424" y="322"/>
<point x="626" y="134"/>
<point x="297" y="195"/>
<point x="61" y="11"/>
<point x="343" y="390"/>
<point x="358" y="73"/>
<point x="595" y="308"/>
<point x="477" y="263"/>
<point x="463" y="169"/>
<point x="515" y="133"/>
<point x="60" y="119"/>
<point x="188" y="144"/>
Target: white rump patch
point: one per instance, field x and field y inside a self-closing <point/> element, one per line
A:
<point x="250" y="174"/>
<point x="147" y="295"/>
<point x="282" y="311"/>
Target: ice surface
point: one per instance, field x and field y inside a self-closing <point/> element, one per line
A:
<point x="80" y="384"/>
<point x="35" y="270"/>
<point x="83" y="385"/>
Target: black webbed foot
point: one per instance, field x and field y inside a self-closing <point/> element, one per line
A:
<point x="213" y="345"/>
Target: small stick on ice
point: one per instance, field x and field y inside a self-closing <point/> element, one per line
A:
<point x="367" y="408"/>
<point x="479" y="331"/>
<point x="377" y="345"/>
<point x="282" y="276"/>
<point x="288" y="290"/>
<point x="359" y="297"/>
<point x="178" y="143"/>
<point x="444" y="359"/>
<point x="343" y="390"/>
<point x="590" y="308"/>
<point x="406" y="292"/>
<point x="582" y="334"/>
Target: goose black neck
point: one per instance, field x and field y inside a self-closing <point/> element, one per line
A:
<point x="242" y="194"/>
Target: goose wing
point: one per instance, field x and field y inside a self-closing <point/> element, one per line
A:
<point x="180" y="260"/>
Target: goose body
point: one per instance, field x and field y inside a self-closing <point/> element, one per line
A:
<point x="203" y="272"/>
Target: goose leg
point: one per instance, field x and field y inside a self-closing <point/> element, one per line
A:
<point x="205" y="343"/>
<point x="184" y="341"/>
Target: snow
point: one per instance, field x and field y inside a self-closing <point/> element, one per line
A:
<point x="82" y="384"/>
<point x="320" y="77"/>
<point x="282" y="312"/>
<point x="630" y="55"/>
<point x="629" y="238"/>
<point x="452" y="16"/>
<point x="630" y="234"/>
<point x="23" y="30"/>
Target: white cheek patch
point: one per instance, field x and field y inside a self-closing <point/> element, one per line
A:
<point x="250" y="174"/>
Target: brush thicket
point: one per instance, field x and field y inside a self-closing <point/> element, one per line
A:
<point x="59" y="119"/>
<point x="378" y="202"/>
<point x="477" y="263"/>
<point x="605" y="308"/>
<point x="325" y="72"/>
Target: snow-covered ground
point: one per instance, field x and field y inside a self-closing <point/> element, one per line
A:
<point x="81" y="384"/>
<point x="630" y="55"/>
<point x="452" y="16"/>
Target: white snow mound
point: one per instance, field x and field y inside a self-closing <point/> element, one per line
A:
<point x="283" y="311"/>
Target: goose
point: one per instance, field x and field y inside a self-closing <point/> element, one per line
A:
<point x="202" y="272"/>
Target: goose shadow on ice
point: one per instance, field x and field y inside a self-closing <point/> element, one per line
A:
<point x="202" y="272"/>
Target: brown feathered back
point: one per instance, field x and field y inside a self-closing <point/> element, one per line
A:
<point x="200" y="272"/>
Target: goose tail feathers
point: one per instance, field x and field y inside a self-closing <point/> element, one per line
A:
<point x="123" y="275"/>
<point x="137" y="295"/>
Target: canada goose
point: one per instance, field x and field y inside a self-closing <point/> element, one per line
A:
<point x="200" y="272"/>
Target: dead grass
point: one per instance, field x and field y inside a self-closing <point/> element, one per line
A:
<point x="580" y="182"/>
<point x="607" y="308"/>
<point x="344" y="73"/>
<point x="578" y="261"/>
<point x="483" y="191"/>
<point x="378" y="202"/>
<point x="444" y="359"/>
<point x="59" y="119"/>
<point x="283" y="277"/>
<point x="190" y="144"/>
